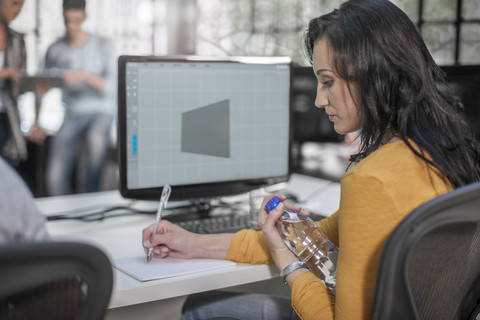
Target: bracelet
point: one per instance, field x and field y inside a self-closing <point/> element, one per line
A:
<point x="290" y="268"/>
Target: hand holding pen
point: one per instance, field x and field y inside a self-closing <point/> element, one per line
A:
<point x="163" y="203"/>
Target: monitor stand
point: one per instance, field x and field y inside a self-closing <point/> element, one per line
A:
<point x="188" y="210"/>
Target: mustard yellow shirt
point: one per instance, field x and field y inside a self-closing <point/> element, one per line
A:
<point x="376" y="194"/>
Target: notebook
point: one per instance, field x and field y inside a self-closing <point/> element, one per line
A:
<point x="138" y="268"/>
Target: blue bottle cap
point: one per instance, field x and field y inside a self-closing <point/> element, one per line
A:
<point x="272" y="204"/>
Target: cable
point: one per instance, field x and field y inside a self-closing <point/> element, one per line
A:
<point x="96" y="214"/>
<point x="89" y="214"/>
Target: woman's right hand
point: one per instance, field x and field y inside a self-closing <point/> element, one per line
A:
<point x="169" y="241"/>
<point x="173" y="241"/>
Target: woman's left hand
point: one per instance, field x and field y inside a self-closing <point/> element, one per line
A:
<point x="281" y="254"/>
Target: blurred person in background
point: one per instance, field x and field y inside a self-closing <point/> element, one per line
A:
<point x="13" y="61"/>
<point x="20" y="219"/>
<point x="88" y="65"/>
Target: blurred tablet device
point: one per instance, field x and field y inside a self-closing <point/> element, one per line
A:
<point x="46" y="78"/>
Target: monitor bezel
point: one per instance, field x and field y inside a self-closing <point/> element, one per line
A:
<point x="193" y="191"/>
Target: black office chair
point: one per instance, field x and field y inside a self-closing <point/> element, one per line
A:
<point x="430" y="265"/>
<point x="54" y="280"/>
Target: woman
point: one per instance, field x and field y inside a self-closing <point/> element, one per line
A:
<point x="375" y="76"/>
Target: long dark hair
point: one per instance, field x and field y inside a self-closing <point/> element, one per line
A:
<point x="402" y="90"/>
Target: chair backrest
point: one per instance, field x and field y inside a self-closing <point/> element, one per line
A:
<point x="430" y="265"/>
<point x="54" y="280"/>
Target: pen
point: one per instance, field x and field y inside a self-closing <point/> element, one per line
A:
<point x="163" y="203"/>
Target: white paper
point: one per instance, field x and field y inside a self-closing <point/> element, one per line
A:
<point x="325" y="202"/>
<point x="138" y="267"/>
<point x="319" y="196"/>
<point x="304" y="187"/>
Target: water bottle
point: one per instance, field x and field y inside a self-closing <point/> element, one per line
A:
<point x="303" y="237"/>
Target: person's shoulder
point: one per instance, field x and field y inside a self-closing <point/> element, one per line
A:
<point x="21" y="219"/>
<point x="101" y="43"/>
<point x="101" y="39"/>
<point x="388" y="160"/>
<point x="58" y="43"/>
<point x="15" y="35"/>
<point x="386" y="154"/>
<point x="62" y="40"/>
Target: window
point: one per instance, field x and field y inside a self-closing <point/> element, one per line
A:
<point x="451" y="29"/>
<point x="135" y="26"/>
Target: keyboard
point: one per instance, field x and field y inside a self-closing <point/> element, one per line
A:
<point x="217" y="224"/>
<point x="226" y="222"/>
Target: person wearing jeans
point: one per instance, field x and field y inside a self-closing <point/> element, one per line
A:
<point x="88" y="67"/>
<point x="92" y="128"/>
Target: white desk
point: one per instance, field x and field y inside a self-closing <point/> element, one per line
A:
<point x="120" y="237"/>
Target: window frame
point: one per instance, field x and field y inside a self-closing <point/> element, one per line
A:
<point x="457" y="24"/>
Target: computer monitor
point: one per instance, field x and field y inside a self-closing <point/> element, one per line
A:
<point x="465" y="79"/>
<point x="208" y="127"/>
<point x="311" y="124"/>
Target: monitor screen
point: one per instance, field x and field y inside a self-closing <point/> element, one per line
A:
<point x="206" y="127"/>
